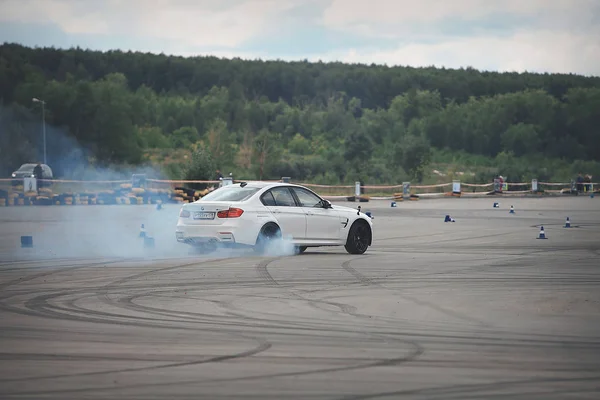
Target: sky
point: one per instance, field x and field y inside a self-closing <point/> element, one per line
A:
<point x="556" y="36"/>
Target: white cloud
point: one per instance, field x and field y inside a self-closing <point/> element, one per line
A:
<point x="73" y="17"/>
<point x="197" y="23"/>
<point x="396" y="18"/>
<point x="533" y="51"/>
<point x="199" y="26"/>
<point x="560" y="36"/>
<point x="541" y="51"/>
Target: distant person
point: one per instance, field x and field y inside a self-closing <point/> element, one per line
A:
<point x="218" y="177"/>
<point x="37" y="171"/>
<point x="38" y="174"/>
<point x="579" y="183"/>
<point x="588" y="182"/>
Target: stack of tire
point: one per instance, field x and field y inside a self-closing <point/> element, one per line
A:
<point x="183" y="195"/>
<point x="3" y="198"/>
<point x="18" y="198"/>
<point x="44" y="197"/>
<point x="186" y="195"/>
<point x="76" y="199"/>
<point x="124" y="194"/>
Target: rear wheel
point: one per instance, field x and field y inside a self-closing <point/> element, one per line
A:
<point x="268" y="234"/>
<point x="358" y="238"/>
<point x="300" y="249"/>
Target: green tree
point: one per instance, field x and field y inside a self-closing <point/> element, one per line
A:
<point x="299" y="145"/>
<point x="152" y="137"/>
<point x="114" y="138"/>
<point x="201" y="167"/>
<point x="331" y="121"/>
<point x="521" y="139"/>
<point x="413" y="154"/>
<point x="184" y="137"/>
<point x="267" y="152"/>
<point x="358" y="149"/>
<point x="219" y="142"/>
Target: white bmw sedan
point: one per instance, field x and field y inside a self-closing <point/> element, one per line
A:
<point x="254" y="214"/>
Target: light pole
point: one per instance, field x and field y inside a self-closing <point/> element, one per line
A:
<point x="35" y="100"/>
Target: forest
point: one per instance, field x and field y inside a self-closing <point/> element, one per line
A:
<point x="316" y="122"/>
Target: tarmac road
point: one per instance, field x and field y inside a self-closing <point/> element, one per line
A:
<point x="475" y="309"/>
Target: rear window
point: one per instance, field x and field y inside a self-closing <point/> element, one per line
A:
<point x="230" y="193"/>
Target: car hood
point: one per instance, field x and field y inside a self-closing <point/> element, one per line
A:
<point x="344" y="208"/>
<point x="22" y="174"/>
<point x="349" y="210"/>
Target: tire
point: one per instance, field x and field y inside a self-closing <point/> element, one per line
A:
<point x="359" y="238"/>
<point x="300" y="249"/>
<point x="268" y="234"/>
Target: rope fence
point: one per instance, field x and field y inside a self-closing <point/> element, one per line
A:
<point x="139" y="190"/>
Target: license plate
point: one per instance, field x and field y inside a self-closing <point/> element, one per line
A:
<point x="204" y="215"/>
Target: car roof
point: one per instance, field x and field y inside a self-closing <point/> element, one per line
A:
<point x="32" y="165"/>
<point x="265" y="184"/>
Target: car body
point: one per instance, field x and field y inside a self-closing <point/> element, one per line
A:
<point x="253" y="214"/>
<point x="26" y="171"/>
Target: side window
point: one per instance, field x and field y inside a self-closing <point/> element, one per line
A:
<point x="283" y="197"/>
<point x="307" y="198"/>
<point x="267" y="199"/>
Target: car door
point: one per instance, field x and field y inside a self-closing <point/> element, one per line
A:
<point x="289" y="215"/>
<point x="322" y="224"/>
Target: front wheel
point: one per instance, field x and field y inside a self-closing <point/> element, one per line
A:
<point x="358" y="238"/>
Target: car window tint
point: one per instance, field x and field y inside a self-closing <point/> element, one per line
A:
<point x="268" y="200"/>
<point x="307" y="198"/>
<point x="230" y="193"/>
<point x="283" y="197"/>
<point x="26" y="167"/>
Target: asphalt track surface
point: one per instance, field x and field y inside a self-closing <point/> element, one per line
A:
<point x="475" y="309"/>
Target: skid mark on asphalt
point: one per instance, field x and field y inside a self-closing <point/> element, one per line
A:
<point x="39" y="306"/>
<point x="263" y="272"/>
<point x="264" y="346"/>
<point x="369" y="282"/>
<point x="42" y="301"/>
<point x="414" y="353"/>
<point x="477" y="391"/>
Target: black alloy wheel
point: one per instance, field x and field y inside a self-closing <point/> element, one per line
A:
<point x="358" y="238"/>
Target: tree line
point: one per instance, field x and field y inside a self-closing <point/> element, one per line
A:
<point x="326" y="122"/>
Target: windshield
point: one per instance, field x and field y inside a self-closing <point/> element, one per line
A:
<point x="26" y="167"/>
<point x="230" y="193"/>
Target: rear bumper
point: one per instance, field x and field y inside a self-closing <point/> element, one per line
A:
<point x="194" y="239"/>
<point x="222" y="235"/>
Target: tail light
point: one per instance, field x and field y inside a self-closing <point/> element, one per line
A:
<point x="231" y="213"/>
<point x="184" y="213"/>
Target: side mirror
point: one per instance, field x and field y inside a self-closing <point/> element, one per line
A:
<point x="326" y="204"/>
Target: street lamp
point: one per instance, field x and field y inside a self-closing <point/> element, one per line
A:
<point x="35" y="100"/>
